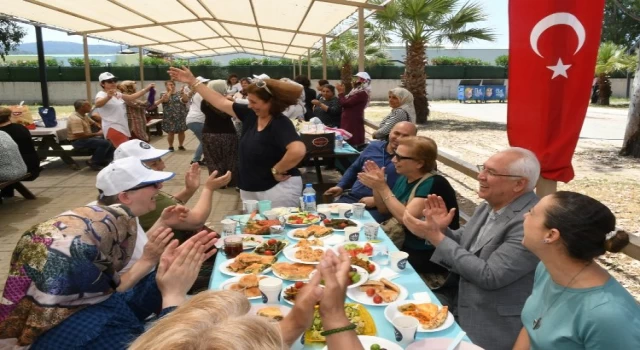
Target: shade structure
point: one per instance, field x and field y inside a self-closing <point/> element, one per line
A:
<point x="195" y="28"/>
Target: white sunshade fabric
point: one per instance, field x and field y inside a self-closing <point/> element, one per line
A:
<point x="194" y="28"/>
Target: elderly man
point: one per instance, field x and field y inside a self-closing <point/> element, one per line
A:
<point x="81" y="135"/>
<point x="381" y="153"/>
<point x="491" y="272"/>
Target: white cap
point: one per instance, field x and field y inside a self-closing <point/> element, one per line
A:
<point x="202" y="80"/>
<point x="106" y="76"/>
<point x="363" y="75"/>
<point x="261" y="76"/>
<point x="127" y="173"/>
<point x="138" y="149"/>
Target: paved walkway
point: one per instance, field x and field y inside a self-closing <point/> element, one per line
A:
<point x="59" y="188"/>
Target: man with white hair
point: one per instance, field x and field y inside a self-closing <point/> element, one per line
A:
<point x="490" y="272"/>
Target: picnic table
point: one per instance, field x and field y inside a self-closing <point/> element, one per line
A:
<point x="49" y="143"/>
<point x="343" y="157"/>
<point x="408" y="278"/>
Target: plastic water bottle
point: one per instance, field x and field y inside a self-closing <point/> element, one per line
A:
<point x="309" y="198"/>
<point x="339" y="140"/>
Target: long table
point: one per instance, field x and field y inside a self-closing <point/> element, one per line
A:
<point x="343" y="157"/>
<point x="408" y="278"/>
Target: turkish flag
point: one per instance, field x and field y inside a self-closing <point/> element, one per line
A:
<point x="553" y="46"/>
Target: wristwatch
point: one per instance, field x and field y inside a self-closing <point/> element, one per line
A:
<point x="274" y="171"/>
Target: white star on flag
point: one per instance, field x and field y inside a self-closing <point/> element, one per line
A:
<point x="559" y="69"/>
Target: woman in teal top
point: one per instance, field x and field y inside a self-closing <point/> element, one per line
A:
<point x="575" y="303"/>
<point x="415" y="162"/>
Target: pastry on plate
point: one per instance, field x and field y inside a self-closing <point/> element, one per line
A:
<point x="295" y="271"/>
<point x="271" y="312"/>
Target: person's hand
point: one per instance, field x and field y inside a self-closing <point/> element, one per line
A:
<point x="155" y="246"/>
<point x="368" y="202"/>
<point x="150" y="86"/>
<point x="230" y="98"/>
<point x="213" y="183"/>
<point x="281" y="177"/>
<point x="340" y="88"/>
<point x="333" y="191"/>
<point x="435" y="208"/>
<point x="435" y="222"/>
<point x="315" y="102"/>
<point x="335" y="273"/>
<point x="192" y="177"/>
<point x="371" y="166"/>
<point x="306" y="301"/>
<point x="176" y="275"/>
<point x="174" y="215"/>
<point x="206" y="238"/>
<point x="112" y="92"/>
<point x="182" y="75"/>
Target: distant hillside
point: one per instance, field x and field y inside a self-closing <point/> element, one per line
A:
<point x="65" y="47"/>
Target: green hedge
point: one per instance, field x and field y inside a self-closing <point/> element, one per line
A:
<point x="152" y="73"/>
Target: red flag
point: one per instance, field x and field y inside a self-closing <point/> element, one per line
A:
<point x="553" y="46"/>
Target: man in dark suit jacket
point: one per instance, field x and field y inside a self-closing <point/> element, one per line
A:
<point x="491" y="272"/>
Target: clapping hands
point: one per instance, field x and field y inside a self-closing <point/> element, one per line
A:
<point x="372" y="176"/>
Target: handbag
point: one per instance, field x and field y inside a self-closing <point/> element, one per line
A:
<point x="392" y="227"/>
<point x="48" y="115"/>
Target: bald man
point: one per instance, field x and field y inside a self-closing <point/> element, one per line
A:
<point x="381" y="153"/>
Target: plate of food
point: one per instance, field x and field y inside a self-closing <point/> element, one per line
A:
<point x="289" y="293"/>
<point x="440" y="344"/>
<point x="356" y="248"/>
<point x="378" y="292"/>
<point x="248" y="241"/>
<point x="357" y="274"/>
<point x="335" y="207"/>
<point x="259" y="227"/>
<point x="273" y="312"/>
<point x="356" y="313"/>
<point x="432" y="317"/>
<point x="341" y="224"/>
<point x="376" y="343"/>
<point x="305" y="255"/>
<point x="363" y="261"/>
<point x="271" y="247"/>
<point x="311" y="232"/>
<point x="292" y="271"/>
<point x="302" y="219"/>
<point x="246" y="284"/>
<point x="309" y="242"/>
<point x="246" y="264"/>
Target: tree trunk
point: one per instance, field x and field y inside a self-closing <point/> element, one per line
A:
<point x="416" y="79"/>
<point x="631" y="144"/>
<point x="604" y="89"/>
<point x="346" y="76"/>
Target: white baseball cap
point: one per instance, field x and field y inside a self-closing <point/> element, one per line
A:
<point x="106" y="76"/>
<point x="128" y="173"/>
<point x="363" y="75"/>
<point x="202" y="80"/>
<point x="138" y="149"/>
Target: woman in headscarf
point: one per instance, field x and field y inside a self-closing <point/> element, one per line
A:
<point x="219" y="137"/>
<point x="136" y="112"/>
<point x="353" y="106"/>
<point x="402" y="110"/>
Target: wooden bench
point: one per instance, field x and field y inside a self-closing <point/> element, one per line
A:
<point x="18" y="186"/>
<point x="158" y="124"/>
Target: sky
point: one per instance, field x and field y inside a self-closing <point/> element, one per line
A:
<point x="496" y="10"/>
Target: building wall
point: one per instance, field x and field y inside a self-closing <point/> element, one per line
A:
<point x="65" y="93"/>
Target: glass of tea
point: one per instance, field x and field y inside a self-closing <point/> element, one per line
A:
<point x="232" y="246"/>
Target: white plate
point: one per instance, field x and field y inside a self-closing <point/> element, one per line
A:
<point x="364" y="276"/>
<point x="367" y="341"/>
<point x="245" y="245"/>
<point x="335" y="207"/>
<point x="224" y="270"/>
<point x="358" y="225"/>
<point x="391" y="312"/>
<point x="256" y="307"/>
<point x="227" y="284"/>
<point x="291" y="236"/>
<point x="361" y="297"/>
<point x="301" y="225"/>
<point x="440" y="344"/>
<point x="289" y="279"/>
<point x="290" y="254"/>
<point x="361" y="244"/>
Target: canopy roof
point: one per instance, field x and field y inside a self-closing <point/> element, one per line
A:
<point x="195" y="28"/>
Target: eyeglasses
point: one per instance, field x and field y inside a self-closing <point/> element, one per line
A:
<point x="110" y="81"/>
<point x="400" y="158"/>
<point x="262" y="85"/>
<point x="139" y="187"/>
<point x="492" y="172"/>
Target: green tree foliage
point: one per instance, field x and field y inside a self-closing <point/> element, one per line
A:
<point x="79" y="62"/>
<point x="611" y="58"/>
<point x="618" y="25"/>
<point x="252" y="61"/>
<point x="457" y="61"/>
<point x="502" y="61"/>
<point x="10" y="36"/>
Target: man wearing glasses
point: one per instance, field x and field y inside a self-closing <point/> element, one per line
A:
<point x="491" y="272"/>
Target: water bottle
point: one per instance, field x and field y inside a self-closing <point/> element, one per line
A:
<point x="309" y="198"/>
<point x="339" y="140"/>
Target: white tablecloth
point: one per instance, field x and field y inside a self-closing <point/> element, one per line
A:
<point x="59" y="131"/>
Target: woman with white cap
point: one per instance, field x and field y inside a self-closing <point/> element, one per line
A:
<point x="402" y="110"/>
<point x="110" y="104"/>
<point x="195" y="119"/>
<point x="353" y="106"/>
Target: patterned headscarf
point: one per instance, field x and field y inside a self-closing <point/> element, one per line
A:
<point x="363" y="85"/>
<point x="63" y="265"/>
<point x="406" y="101"/>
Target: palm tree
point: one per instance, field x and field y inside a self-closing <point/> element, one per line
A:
<point x="611" y="58"/>
<point x="426" y="22"/>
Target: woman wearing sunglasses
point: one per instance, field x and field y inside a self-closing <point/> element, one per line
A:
<point x="415" y="162"/>
<point x="270" y="148"/>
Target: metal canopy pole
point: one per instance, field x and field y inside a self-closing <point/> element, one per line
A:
<point x="361" y="39"/>
<point x="141" y="67"/>
<point x="300" y="65"/>
<point x="293" y="64"/>
<point x="309" y="63"/>
<point x="87" y="67"/>
<point x="324" y="57"/>
<point x="42" y="68"/>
